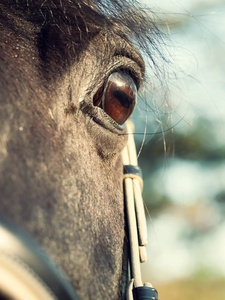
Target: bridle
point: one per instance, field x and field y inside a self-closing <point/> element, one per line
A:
<point x="23" y="264"/>
<point x="136" y="221"/>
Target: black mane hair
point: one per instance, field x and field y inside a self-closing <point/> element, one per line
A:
<point x="74" y="22"/>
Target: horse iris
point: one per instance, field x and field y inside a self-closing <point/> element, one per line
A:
<point x="118" y="97"/>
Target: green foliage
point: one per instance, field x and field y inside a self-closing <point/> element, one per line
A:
<point x="197" y="143"/>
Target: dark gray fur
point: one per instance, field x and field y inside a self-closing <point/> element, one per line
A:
<point x="60" y="166"/>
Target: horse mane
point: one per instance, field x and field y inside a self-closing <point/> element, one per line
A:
<point x="78" y="20"/>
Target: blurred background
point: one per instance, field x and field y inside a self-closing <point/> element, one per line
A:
<point x="183" y="154"/>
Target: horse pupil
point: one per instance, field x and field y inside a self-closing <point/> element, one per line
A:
<point x="123" y="98"/>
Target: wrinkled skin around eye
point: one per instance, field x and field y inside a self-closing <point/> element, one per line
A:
<point x="119" y="97"/>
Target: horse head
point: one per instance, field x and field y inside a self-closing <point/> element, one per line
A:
<point x="62" y="133"/>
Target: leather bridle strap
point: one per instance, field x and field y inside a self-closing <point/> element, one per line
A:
<point x="136" y="221"/>
<point x="26" y="271"/>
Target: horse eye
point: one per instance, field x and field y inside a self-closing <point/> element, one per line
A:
<point x="117" y="97"/>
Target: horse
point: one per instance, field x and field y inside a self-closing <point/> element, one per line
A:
<point x="62" y="128"/>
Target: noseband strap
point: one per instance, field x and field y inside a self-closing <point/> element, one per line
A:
<point x="134" y="172"/>
<point x="136" y="221"/>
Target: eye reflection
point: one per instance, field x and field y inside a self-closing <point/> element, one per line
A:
<point x="118" y="97"/>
